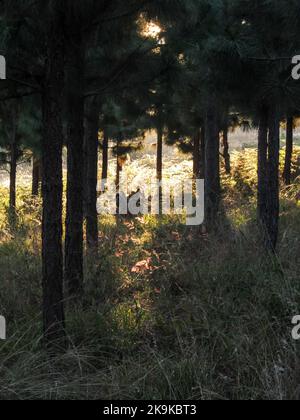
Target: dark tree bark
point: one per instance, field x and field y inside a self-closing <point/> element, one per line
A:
<point x="159" y="161"/>
<point x="262" y="197"/>
<point x="118" y="178"/>
<point x="13" y="175"/>
<point x="52" y="141"/>
<point x="202" y="157"/>
<point x="75" y="122"/>
<point x="287" y="173"/>
<point x="226" y="153"/>
<point x="159" y="164"/>
<point x="36" y="176"/>
<point x="197" y="155"/>
<point x="273" y="180"/>
<point x="105" y="156"/>
<point x="14" y="155"/>
<point x="212" y="167"/>
<point x="268" y="175"/>
<point x="91" y="178"/>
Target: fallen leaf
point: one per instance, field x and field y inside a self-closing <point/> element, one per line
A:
<point x="119" y="254"/>
<point x="142" y="266"/>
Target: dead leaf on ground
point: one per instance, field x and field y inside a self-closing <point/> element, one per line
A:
<point x="119" y="254"/>
<point x="142" y="266"/>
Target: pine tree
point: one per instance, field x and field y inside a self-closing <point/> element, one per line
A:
<point x="91" y="147"/>
<point x="124" y="128"/>
<point x="80" y="33"/>
<point x="75" y="163"/>
<point x="267" y="53"/>
<point x="53" y="300"/>
<point x="11" y="148"/>
<point x="30" y="128"/>
<point x="287" y="173"/>
<point x="40" y="71"/>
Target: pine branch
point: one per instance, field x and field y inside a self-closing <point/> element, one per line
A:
<point x="118" y="71"/>
<point x="19" y="96"/>
<point x="121" y="15"/>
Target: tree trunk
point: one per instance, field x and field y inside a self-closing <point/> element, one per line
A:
<point x="202" y="156"/>
<point x="13" y="176"/>
<point x="268" y="175"/>
<point x="226" y="153"/>
<point x="75" y="122"/>
<point x="52" y="141"/>
<point x="262" y="197"/>
<point x="159" y="162"/>
<point x="159" y="165"/>
<point x="91" y="180"/>
<point x="273" y="180"/>
<point x="36" y="176"/>
<point x="287" y="174"/>
<point x="14" y="152"/>
<point x="197" y="155"/>
<point x="118" y="179"/>
<point x="212" y="167"/>
<point x="105" y="156"/>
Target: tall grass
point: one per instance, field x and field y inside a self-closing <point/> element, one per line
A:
<point x="199" y="317"/>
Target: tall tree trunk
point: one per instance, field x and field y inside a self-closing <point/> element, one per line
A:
<point x="75" y="117"/>
<point x="287" y="174"/>
<point x="159" y="161"/>
<point x="262" y="197"/>
<point x="197" y="155"/>
<point x="226" y="153"/>
<point x="52" y="141"/>
<point x="212" y="167"/>
<point x="91" y="180"/>
<point x="14" y="151"/>
<point x="13" y="176"/>
<point x="273" y="180"/>
<point x="105" y="156"/>
<point x="268" y="175"/>
<point x="118" y="179"/>
<point x="159" y="165"/>
<point x="202" y="151"/>
<point x="36" y="176"/>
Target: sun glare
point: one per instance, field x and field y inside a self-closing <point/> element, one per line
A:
<point x="151" y="30"/>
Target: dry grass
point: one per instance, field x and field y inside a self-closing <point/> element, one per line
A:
<point x="169" y="312"/>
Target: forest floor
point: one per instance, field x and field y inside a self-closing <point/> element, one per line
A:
<point x="169" y="312"/>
